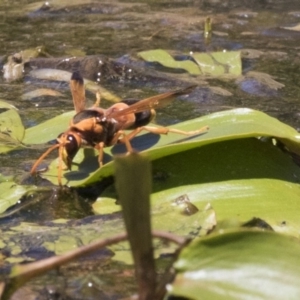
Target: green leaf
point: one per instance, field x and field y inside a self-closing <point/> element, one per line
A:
<point x="241" y="179"/>
<point x="239" y="265"/>
<point x="11" y="193"/>
<point x="275" y="201"/>
<point x="165" y="59"/>
<point x="48" y="130"/>
<point x="226" y="125"/>
<point x="209" y="63"/>
<point x="11" y="128"/>
<point x="191" y="219"/>
<point x="219" y="63"/>
<point x="4" y="104"/>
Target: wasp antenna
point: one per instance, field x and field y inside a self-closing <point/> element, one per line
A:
<point x="33" y="169"/>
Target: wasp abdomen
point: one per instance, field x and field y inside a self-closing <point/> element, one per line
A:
<point x="141" y="118"/>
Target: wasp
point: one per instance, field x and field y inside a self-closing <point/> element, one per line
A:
<point x="98" y="128"/>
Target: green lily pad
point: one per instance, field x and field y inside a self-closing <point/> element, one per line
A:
<point x="239" y="265"/>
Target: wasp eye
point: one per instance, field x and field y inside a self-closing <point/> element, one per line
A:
<point x="72" y="146"/>
<point x="70" y="143"/>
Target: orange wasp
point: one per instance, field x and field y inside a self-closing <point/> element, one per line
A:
<point x="98" y="128"/>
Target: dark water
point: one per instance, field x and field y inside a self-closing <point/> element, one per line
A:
<point x="120" y="29"/>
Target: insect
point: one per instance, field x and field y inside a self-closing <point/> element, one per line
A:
<point x="98" y="128"/>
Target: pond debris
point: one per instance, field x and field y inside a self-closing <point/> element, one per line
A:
<point x="185" y="204"/>
<point x="294" y="28"/>
<point x="259" y="83"/>
<point x="14" y="68"/>
<point x="251" y="53"/>
<point x="217" y="90"/>
<point x="61" y="75"/>
<point x="258" y="223"/>
<point x="40" y="93"/>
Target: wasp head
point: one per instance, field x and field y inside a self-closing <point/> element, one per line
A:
<point x="70" y="143"/>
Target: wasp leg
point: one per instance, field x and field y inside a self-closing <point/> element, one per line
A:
<point x="100" y="147"/>
<point x="161" y="130"/>
<point x="125" y="140"/>
<point x="98" y="100"/>
<point x="60" y="164"/>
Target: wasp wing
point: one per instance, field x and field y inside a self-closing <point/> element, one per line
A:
<point x="78" y="91"/>
<point x="151" y="102"/>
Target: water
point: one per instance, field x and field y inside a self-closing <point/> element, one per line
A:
<point x="124" y="28"/>
<point x="120" y="29"/>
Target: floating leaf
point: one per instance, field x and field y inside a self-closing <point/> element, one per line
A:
<point x="11" y="194"/>
<point x="168" y="216"/>
<point x="48" y="130"/>
<point x="4" y="104"/>
<point x="11" y="130"/>
<point x="214" y="63"/>
<point x="165" y="59"/>
<point x="239" y="265"/>
<point x="11" y="124"/>
<point x="219" y="63"/>
<point x="226" y="125"/>
<point x="277" y="202"/>
<point x="265" y="185"/>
